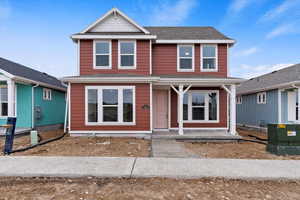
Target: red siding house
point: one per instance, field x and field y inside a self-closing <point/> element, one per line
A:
<point x="134" y="80"/>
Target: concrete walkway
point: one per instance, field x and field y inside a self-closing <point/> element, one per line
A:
<point x="149" y="167"/>
<point x="170" y="149"/>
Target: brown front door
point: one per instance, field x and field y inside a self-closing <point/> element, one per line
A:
<point x="160" y="105"/>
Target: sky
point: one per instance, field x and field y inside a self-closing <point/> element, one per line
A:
<point x="37" y="33"/>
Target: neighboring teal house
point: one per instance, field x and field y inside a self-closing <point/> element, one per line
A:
<point x="270" y="98"/>
<point x="35" y="98"/>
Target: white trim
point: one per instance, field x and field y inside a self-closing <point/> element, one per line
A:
<point x="94" y="54"/>
<point x="110" y="79"/>
<point x="150" y="54"/>
<point x="279" y="106"/>
<point x="120" y="106"/>
<point x="169" y="108"/>
<point x="233" y="110"/>
<point x="86" y="36"/>
<point x="202" y="81"/>
<point x="228" y="62"/>
<point x="202" y="57"/>
<point x="178" y="58"/>
<point x="151" y="107"/>
<point x="291" y="105"/>
<point x="69" y="106"/>
<point x="108" y="132"/>
<point x="206" y="106"/>
<point x="195" y="41"/>
<point x="8" y="94"/>
<point x="113" y="10"/>
<point x="134" y="54"/>
<point x="208" y="128"/>
<point x="33" y="106"/>
<point x="78" y="58"/>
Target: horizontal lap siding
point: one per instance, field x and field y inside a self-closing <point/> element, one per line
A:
<point x="78" y="109"/>
<point x="165" y="60"/>
<point x="142" y="60"/>
<point x="222" y="112"/>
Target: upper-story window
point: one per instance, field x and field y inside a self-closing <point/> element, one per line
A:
<point x="127" y="54"/>
<point x="47" y="94"/>
<point x="102" y="54"/>
<point x="185" y="58"/>
<point x="261" y="98"/>
<point x="209" y="58"/>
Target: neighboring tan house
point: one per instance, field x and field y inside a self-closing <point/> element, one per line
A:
<point x="270" y="98"/>
<point x="135" y="80"/>
<point x="35" y="98"/>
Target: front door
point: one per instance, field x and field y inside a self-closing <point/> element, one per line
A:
<point x="160" y="108"/>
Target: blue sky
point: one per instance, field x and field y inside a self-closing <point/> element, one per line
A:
<point x="36" y="33"/>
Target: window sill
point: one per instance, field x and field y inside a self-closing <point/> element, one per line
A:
<point x="185" y="70"/>
<point x="201" y="121"/>
<point x="109" y="124"/>
<point x="209" y="70"/>
<point x="123" y="67"/>
<point x="102" y="67"/>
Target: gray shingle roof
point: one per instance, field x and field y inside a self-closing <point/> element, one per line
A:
<point x="186" y="33"/>
<point x="28" y="73"/>
<point x="286" y="75"/>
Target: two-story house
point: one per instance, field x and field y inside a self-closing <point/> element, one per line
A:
<point x="134" y="80"/>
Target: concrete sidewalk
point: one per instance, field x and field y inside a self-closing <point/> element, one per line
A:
<point x="149" y="167"/>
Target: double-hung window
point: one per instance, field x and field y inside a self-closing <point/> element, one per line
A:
<point x="185" y="58"/>
<point x="110" y="105"/>
<point x="47" y="94"/>
<point x="209" y="56"/>
<point x="102" y="54"/>
<point x="127" y="54"/>
<point x="261" y="98"/>
<point x="3" y="100"/>
<point x="201" y="106"/>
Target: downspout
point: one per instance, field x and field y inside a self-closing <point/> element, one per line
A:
<point x="32" y="103"/>
<point x="298" y="95"/>
<point x="66" y="109"/>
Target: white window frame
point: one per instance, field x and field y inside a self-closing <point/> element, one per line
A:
<point x="119" y="55"/>
<point x="178" y="57"/>
<point x="216" y="57"/>
<point x="239" y="100"/>
<point x="3" y="86"/>
<point x="260" y="98"/>
<point x="206" y="107"/>
<point x="100" y="105"/>
<point x="94" y="54"/>
<point x="47" y="94"/>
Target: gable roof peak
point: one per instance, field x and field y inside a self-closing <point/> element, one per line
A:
<point x="115" y="11"/>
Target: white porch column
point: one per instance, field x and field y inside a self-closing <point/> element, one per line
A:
<point x="10" y="98"/>
<point x="233" y="109"/>
<point x="180" y="111"/>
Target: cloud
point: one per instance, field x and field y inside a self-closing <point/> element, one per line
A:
<point x="172" y="13"/>
<point x="284" y="7"/>
<point x="5" y="9"/>
<point x="254" y="71"/>
<point x="282" y="29"/>
<point x="239" y="5"/>
<point x="247" y="52"/>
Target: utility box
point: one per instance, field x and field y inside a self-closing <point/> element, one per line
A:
<point x="284" y="139"/>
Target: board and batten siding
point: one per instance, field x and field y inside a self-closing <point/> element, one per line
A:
<point x="254" y="114"/>
<point x="142" y="108"/>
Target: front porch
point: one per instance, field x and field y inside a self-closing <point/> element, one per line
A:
<point x="194" y="109"/>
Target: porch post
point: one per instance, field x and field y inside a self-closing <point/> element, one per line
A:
<point x="298" y="109"/>
<point x="10" y="98"/>
<point x="180" y="111"/>
<point x="232" y="109"/>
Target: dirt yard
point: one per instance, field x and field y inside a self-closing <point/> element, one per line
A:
<point x="82" y="146"/>
<point x="242" y="150"/>
<point x="154" y="188"/>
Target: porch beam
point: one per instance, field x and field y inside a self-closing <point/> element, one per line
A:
<point x="226" y="89"/>
<point x="233" y="109"/>
<point x="172" y="86"/>
<point x="180" y="112"/>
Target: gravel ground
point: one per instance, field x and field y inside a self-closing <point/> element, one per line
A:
<point x="154" y="188"/>
<point x="83" y="146"/>
<point x="241" y="150"/>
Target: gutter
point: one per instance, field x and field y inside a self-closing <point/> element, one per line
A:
<point x="32" y="107"/>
